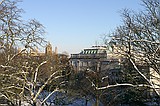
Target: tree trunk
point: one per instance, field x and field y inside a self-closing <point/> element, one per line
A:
<point x="86" y="102"/>
<point x="97" y="101"/>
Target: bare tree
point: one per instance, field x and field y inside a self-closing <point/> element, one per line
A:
<point x="20" y="70"/>
<point x="138" y="40"/>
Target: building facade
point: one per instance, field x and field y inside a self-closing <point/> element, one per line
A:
<point x="108" y="65"/>
<point x="98" y="60"/>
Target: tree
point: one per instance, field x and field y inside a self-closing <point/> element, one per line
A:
<point x="20" y="80"/>
<point x="138" y="41"/>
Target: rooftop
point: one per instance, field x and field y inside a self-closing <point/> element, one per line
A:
<point x="94" y="50"/>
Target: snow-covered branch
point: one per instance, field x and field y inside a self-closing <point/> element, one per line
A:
<point x="123" y="84"/>
<point x="50" y="95"/>
<point x="136" y="68"/>
<point x="36" y="72"/>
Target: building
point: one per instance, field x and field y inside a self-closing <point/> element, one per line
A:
<point x="34" y="57"/>
<point x="88" y="58"/>
<point x="98" y="60"/>
<point x="48" y="51"/>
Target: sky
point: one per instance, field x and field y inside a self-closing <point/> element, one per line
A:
<point x="73" y="25"/>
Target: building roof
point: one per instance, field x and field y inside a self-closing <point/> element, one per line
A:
<point x="94" y="50"/>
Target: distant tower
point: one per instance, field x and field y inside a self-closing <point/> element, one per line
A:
<point x="56" y="50"/>
<point x="48" y="49"/>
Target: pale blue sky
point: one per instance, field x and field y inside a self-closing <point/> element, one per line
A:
<point x="72" y="25"/>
